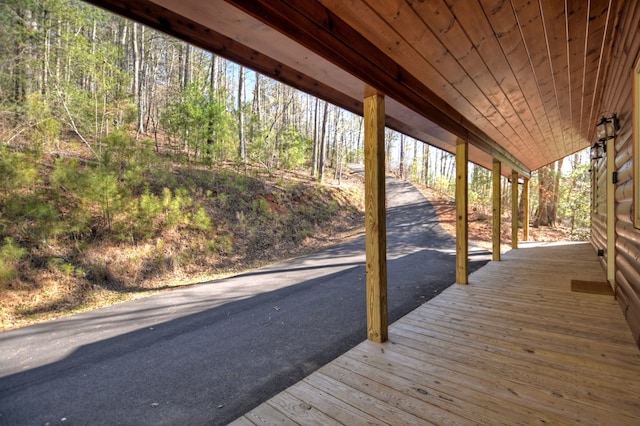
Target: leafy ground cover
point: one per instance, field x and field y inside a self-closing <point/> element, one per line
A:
<point x="77" y="234"/>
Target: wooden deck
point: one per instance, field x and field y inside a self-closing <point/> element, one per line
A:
<point x="515" y="346"/>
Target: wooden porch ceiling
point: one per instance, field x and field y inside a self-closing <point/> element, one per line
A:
<point x="520" y="80"/>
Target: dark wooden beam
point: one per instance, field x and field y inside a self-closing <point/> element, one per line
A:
<point x="320" y="30"/>
<point x="162" y="19"/>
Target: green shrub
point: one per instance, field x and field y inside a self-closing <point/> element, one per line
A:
<point x="10" y="254"/>
<point x="261" y="208"/>
<point x="17" y="170"/>
<point x="173" y="205"/>
<point x="200" y="220"/>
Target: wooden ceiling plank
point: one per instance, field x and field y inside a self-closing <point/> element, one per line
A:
<point x="158" y="16"/>
<point x="533" y="32"/>
<point x="324" y="32"/>
<point x="577" y="24"/>
<point x="506" y="27"/>
<point x="332" y="40"/>
<point x="598" y="16"/>
<point x="510" y="39"/>
<point x="598" y="22"/>
<point x="605" y="56"/>
<point x="444" y="25"/>
<point x="521" y="92"/>
<point x="411" y="29"/>
<point x="444" y="72"/>
<point x="554" y="22"/>
<point x="365" y="20"/>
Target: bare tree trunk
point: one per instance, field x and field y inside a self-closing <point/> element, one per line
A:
<point x="545" y="197"/>
<point x="135" y="51"/>
<point x="340" y="145"/>
<point x="122" y="52"/>
<point x="401" y="165"/>
<point x="506" y="194"/>
<point x="186" y="65"/>
<point x="256" y="108"/>
<point x="414" y="163"/>
<point x="19" y="71"/>
<point x="556" y="191"/>
<point x="388" y="146"/>
<point x="316" y="144"/>
<point x="360" y="141"/>
<point x="425" y="170"/>
<point x="323" y="145"/>
<point x="212" y="98"/>
<point x="214" y="85"/>
<point x="337" y="117"/>
<point x="46" y="53"/>
<point x="138" y="74"/>
<point x="242" y="149"/>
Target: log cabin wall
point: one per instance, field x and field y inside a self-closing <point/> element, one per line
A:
<point x="618" y="98"/>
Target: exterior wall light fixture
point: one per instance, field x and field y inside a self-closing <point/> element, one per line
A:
<point x="606" y="129"/>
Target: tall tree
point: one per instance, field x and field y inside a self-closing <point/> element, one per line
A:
<point x="316" y="141"/>
<point x="322" y="154"/>
<point x="242" y="148"/>
<point x="556" y="190"/>
<point x="138" y="49"/>
<point x="186" y="68"/>
<point x="544" y="216"/>
<point x="425" y="169"/>
<point x="402" y="149"/>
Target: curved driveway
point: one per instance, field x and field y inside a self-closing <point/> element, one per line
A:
<point x="208" y="353"/>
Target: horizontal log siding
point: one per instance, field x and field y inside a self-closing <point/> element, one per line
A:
<point x="618" y="98"/>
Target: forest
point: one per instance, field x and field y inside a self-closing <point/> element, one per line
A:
<point x="130" y="159"/>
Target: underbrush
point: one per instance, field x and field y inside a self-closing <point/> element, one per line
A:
<point x="78" y="233"/>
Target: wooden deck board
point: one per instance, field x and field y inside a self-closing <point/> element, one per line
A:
<point x="515" y="346"/>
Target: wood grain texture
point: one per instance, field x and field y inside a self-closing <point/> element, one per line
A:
<point x="520" y="80"/>
<point x="462" y="212"/>
<point x="525" y="210"/>
<point x="611" y="213"/>
<point x="624" y="243"/>
<point x="332" y="36"/>
<point x="515" y="346"/>
<point x="375" y="218"/>
<point x="496" y="211"/>
<point x="514" y="210"/>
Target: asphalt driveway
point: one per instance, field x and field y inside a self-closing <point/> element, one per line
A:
<point x="208" y="353"/>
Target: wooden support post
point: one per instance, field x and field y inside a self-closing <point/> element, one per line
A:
<point x="496" y="189"/>
<point x="611" y="214"/>
<point x="375" y="221"/>
<point x="514" y="209"/>
<point x="525" y="210"/>
<point x="462" y="201"/>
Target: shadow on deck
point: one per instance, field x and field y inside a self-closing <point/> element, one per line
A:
<point x="515" y="346"/>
